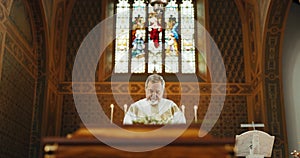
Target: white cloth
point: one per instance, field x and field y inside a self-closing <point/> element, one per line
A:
<point x="165" y="112"/>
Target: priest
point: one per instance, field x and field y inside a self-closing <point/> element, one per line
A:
<point x="154" y="109"/>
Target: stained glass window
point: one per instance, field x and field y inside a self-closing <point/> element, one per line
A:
<point x="149" y="41"/>
<point x="122" y="37"/>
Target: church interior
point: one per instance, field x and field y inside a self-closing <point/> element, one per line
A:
<point x="47" y="66"/>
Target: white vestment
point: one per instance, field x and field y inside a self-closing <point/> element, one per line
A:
<point x="165" y="112"/>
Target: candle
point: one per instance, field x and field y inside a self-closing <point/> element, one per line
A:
<point x="111" y="112"/>
<point x="125" y="108"/>
<point x="183" y="109"/>
<point x="195" y="112"/>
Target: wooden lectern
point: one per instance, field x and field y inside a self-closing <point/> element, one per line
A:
<point x="254" y="143"/>
<point x="83" y="144"/>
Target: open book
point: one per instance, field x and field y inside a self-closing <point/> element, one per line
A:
<point x="254" y="142"/>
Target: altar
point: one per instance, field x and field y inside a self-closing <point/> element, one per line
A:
<point x="84" y="144"/>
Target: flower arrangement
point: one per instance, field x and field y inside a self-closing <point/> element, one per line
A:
<point x="295" y="154"/>
<point x="152" y="120"/>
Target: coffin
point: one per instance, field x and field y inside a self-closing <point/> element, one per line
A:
<point x="109" y="141"/>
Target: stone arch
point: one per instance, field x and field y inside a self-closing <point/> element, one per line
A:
<point x="273" y="96"/>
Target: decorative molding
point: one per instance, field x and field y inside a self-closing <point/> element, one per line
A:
<point x="3" y="15"/>
<point x="19" y="16"/>
<point x="21" y="55"/>
<point x="55" y="56"/>
<point x="272" y="71"/>
<point x="51" y="120"/>
<point x="2" y="36"/>
<point x="253" y="41"/>
<point x="48" y="9"/>
<point x="7" y="4"/>
<point x="263" y="10"/>
<point x="171" y="88"/>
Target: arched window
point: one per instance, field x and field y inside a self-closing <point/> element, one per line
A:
<point x="149" y="41"/>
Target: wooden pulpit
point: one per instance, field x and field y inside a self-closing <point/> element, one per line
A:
<point x="84" y="143"/>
